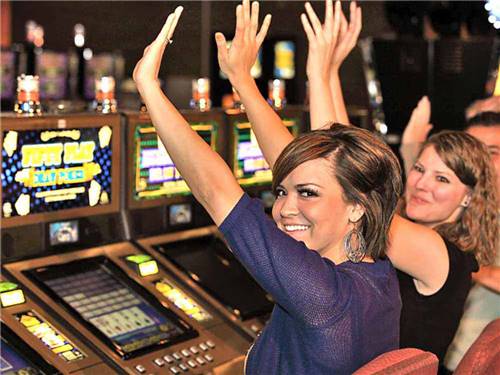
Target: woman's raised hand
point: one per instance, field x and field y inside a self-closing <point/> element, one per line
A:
<point x="348" y="36"/>
<point x="419" y="125"/>
<point x="147" y="68"/>
<point x="237" y="60"/>
<point x="322" y="39"/>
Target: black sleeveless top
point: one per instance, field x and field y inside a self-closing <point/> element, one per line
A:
<point x="430" y="322"/>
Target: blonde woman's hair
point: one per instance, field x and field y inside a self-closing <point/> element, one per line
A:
<point x="477" y="229"/>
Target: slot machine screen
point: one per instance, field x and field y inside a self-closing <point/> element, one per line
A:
<point x="59" y="173"/>
<point x="284" y="59"/>
<point x="154" y="173"/>
<point x="249" y="165"/>
<point x="52" y="68"/>
<point x="7" y="75"/>
<point x="99" y="294"/>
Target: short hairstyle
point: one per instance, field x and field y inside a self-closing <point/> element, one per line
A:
<point x="477" y="229"/>
<point x="487" y="119"/>
<point x="364" y="166"/>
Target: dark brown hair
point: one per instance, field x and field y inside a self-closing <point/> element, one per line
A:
<point x="477" y="228"/>
<point x="366" y="169"/>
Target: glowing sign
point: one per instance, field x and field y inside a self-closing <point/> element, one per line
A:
<point x="49" y="170"/>
<point x="10" y="294"/>
<point x="284" y="60"/>
<point x="144" y="264"/>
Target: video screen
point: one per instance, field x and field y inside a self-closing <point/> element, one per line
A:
<point x="52" y="68"/>
<point x="47" y="170"/>
<point x="97" y="292"/>
<point x="7" y="75"/>
<point x="250" y="166"/>
<point x="284" y="60"/>
<point x="63" y="232"/>
<point x="209" y="263"/>
<point x="155" y="175"/>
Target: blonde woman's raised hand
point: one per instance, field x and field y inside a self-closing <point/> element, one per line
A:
<point x="322" y="38"/>
<point x="147" y="68"/>
<point x="237" y="60"/>
<point x="348" y="36"/>
<point x="419" y="125"/>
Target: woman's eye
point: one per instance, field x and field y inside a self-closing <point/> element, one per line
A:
<point x="279" y="193"/>
<point x="418" y="168"/>
<point x="442" y="179"/>
<point x="308" y="193"/>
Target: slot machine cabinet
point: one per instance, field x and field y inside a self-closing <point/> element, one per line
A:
<point x="32" y="326"/>
<point x="78" y="285"/>
<point x="175" y="222"/>
<point x="59" y="169"/>
<point x="155" y="187"/>
<point x="157" y="195"/>
<point x="60" y="160"/>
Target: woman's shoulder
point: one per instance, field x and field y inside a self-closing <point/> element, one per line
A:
<point x="460" y="259"/>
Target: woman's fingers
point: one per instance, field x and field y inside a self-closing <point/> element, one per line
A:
<point x="329" y="22"/>
<point x="307" y="28"/>
<point x="163" y="35"/>
<point x="240" y="25"/>
<point x="315" y="22"/>
<point x="220" y="40"/>
<point x="336" y="20"/>
<point x="254" y="19"/>
<point x="263" y="30"/>
<point x="177" y="14"/>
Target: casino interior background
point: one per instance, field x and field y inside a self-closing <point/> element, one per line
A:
<point x="108" y="263"/>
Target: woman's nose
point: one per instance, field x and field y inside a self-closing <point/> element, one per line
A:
<point x="288" y="207"/>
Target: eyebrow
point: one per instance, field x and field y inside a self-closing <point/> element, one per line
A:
<point x="435" y="172"/>
<point x="307" y="184"/>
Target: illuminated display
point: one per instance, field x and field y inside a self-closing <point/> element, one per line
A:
<point x="155" y="175"/>
<point x="144" y="264"/>
<point x="63" y="232"/>
<point x="284" y="60"/>
<point x="50" y="337"/>
<point x="182" y="301"/>
<point x="10" y="294"/>
<point x="250" y="167"/>
<point x="7" y="72"/>
<point x="93" y="290"/>
<point x="52" y="70"/>
<point x="49" y="170"/>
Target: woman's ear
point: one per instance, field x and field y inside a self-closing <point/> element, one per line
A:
<point x="356" y="213"/>
<point x="466" y="200"/>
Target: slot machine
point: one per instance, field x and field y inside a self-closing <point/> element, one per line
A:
<point x="246" y="158"/>
<point x="183" y="238"/>
<point x="64" y="237"/>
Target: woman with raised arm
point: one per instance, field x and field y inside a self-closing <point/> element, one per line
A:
<point x="322" y="258"/>
<point x="450" y="209"/>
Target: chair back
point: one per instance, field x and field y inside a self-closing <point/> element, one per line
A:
<point x="407" y="361"/>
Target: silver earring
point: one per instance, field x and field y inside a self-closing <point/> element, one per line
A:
<point x="355" y="254"/>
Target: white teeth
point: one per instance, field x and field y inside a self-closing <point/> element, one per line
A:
<point x="293" y="228"/>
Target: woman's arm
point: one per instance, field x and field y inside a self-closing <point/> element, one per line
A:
<point x="415" y="133"/>
<point x="329" y="45"/>
<point x="420" y="252"/>
<point x="236" y="62"/>
<point x="489" y="277"/>
<point x="208" y="176"/>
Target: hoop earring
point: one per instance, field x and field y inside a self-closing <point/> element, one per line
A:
<point x="357" y="254"/>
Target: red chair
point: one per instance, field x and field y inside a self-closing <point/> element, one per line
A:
<point x="407" y="361"/>
<point x="483" y="357"/>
